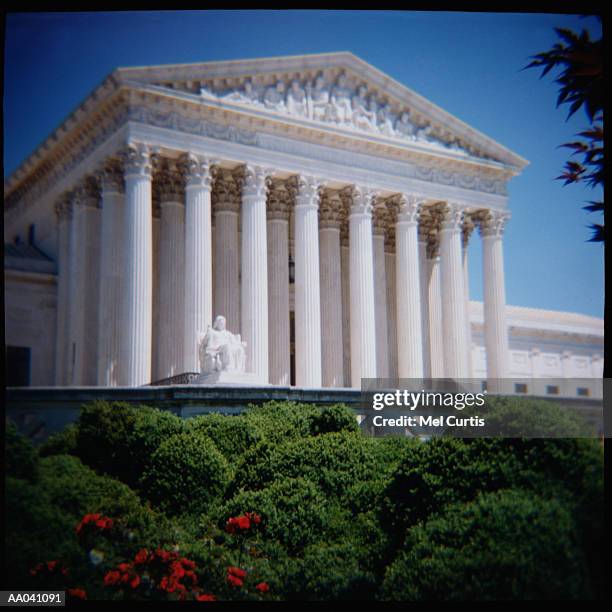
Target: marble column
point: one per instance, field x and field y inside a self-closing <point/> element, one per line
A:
<point x="112" y="242"/>
<point x="171" y="304"/>
<point x="138" y="220"/>
<point x="453" y="294"/>
<point x="198" y="256"/>
<point x="391" y="297"/>
<point x="466" y="231"/>
<point x="407" y="286"/>
<point x="278" y="283"/>
<point x="88" y="274"/>
<point x="346" y="298"/>
<point x="307" y="284"/>
<point x="434" y="302"/>
<point x="254" y="287"/>
<point x="361" y="273"/>
<point x="380" y="219"/>
<point x="424" y="280"/>
<point x="331" y="290"/>
<point x="64" y="214"/>
<point x="494" y="292"/>
<point x="226" y="208"/>
<point x="75" y="294"/>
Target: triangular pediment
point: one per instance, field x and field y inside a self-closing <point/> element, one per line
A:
<point x="334" y="90"/>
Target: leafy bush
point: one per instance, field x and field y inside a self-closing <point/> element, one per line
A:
<point x="42" y="517"/>
<point x="516" y="417"/>
<point x="63" y="442"/>
<point x="21" y="459"/>
<point x="118" y="439"/>
<point x="294" y="511"/>
<point x="185" y="474"/>
<point x="333" y="419"/>
<point x="448" y="470"/>
<point x="280" y="421"/>
<point x="333" y="461"/>
<point x="232" y="435"/>
<point x="502" y="545"/>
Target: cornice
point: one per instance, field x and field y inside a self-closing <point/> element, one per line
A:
<point x="117" y="104"/>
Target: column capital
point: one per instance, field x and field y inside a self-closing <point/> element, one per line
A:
<point x="64" y="206"/>
<point x="87" y="193"/>
<point x="360" y="200"/>
<point x="492" y="223"/>
<point x="254" y="181"/>
<point x="136" y="159"/>
<point x="409" y="208"/>
<point x="170" y="183"/>
<point x="331" y="212"/>
<point x="380" y="218"/>
<point x="110" y="176"/>
<point x="226" y="191"/>
<point x="279" y="200"/>
<point x="306" y="190"/>
<point x="452" y="219"/>
<point x="467" y="229"/>
<point x="197" y="171"/>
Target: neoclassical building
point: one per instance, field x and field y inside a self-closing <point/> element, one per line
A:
<point x="322" y="207"/>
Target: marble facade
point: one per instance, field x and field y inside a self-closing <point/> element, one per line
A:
<point x="321" y="207"/>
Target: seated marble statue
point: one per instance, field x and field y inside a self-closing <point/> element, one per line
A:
<point x="220" y="350"/>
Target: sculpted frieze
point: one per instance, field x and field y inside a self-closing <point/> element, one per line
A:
<point x="339" y="102"/>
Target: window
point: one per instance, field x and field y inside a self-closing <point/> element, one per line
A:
<point x="18" y="366"/>
<point x="552" y="389"/>
<point x="483" y="385"/>
<point x="520" y="388"/>
<point x="583" y="392"/>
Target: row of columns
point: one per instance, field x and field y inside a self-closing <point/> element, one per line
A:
<point x="358" y="307"/>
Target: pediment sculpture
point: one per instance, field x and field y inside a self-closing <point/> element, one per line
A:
<point x="347" y="106"/>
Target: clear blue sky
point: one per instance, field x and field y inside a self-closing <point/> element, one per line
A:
<point x="467" y="63"/>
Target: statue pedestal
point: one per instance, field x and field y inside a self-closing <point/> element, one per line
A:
<point x="228" y="378"/>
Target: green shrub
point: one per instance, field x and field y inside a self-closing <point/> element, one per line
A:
<point x="447" y="470"/>
<point x="294" y="511"/>
<point x="333" y="419"/>
<point x="61" y="443"/>
<point x="41" y="518"/>
<point x="118" y="439"/>
<point x="232" y="435"/>
<point x="517" y="417"/>
<point x="503" y="545"/>
<point x="281" y="421"/>
<point x="185" y="474"/>
<point x="333" y="461"/>
<point x="35" y="530"/>
<point x="20" y="457"/>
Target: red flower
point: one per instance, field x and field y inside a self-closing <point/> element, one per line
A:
<point x="77" y="593"/>
<point x="236" y="571"/>
<point x="234" y="581"/>
<point x="254" y="517"/>
<point x="244" y="522"/>
<point x="188" y="563"/>
<point x="264" y="587"/>
<point x="112" y="577"/>
<point x="135" y="581"/>
<point x="141" y="556"/>
<point x="51" y="565"/>
<point x="205" y="597"/>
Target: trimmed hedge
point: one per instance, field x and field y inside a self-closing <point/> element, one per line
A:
<point x="20" y="457"/>
<point x="185" y="474"/>
<point x="503" y="545"/>
<point x="118" y="439"/>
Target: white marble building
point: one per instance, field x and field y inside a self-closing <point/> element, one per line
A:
<point x="322" y="207"/>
